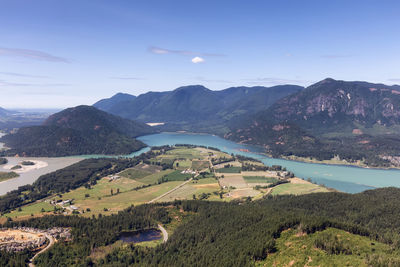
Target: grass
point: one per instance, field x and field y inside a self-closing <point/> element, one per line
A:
<point x="183" y="164"/>
<point x="134" y="174"/>
<point x="177" y="176"/>
<point x="34" y="208"/>
<point x="297" y="189"/>
<point x="200" y="165"/>
<point x="229" y="170"/>
<point x="152" y="179"/>
<point x="207" y="185"/>
<point x="259" y="179"/>
<point x="300" y="250"/>
<point x="7" y="175"/>
<point x="123" y="200"/>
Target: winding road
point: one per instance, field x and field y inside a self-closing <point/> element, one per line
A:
<point x="51" y="243"/>
<point x="164" y="232"/>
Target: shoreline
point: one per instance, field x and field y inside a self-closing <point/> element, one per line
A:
<point x="330" y="162"/>
<point x="335" y="163"/>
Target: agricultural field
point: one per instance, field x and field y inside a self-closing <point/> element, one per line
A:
<point x="194" y="188"/>
<point x="229" y="170"/>
<point x="331" y="247"/>
<point x="34" y="208"/>
<point x="297" y="189"/>
<point x="187" y="175"/>
<point x="260" y="179"/>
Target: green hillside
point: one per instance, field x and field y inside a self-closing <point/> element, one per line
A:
<point x="76" y="131"/>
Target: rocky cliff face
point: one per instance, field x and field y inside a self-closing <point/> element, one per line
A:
<point x="338" y="103"/>
<point x="331" y="117"/>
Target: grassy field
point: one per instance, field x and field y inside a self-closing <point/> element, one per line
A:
<point x="233" y="180"/>
<point x="199" y="165"/>
<point x="112" y="204"/>
<point x="177" y="176"/>
<point x="153" y="178"/>
<point x="134" y="174"/>
<point x="196" y="187"/>
<point x="297" y="189"/>
<point x="295" y="249"/>
<point x="259" y="179"/>
<point x="34" y="208"/>
<point x="229" y="170"/>
<point x="183" y="164"/>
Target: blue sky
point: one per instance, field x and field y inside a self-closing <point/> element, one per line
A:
<point x="70" y="52"/>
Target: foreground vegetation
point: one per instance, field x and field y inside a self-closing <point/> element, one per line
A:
<point x="360" y="229"/>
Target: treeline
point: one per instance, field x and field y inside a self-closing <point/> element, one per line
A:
<point x="193" y="146"/>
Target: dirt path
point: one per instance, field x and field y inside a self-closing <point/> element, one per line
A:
<point x="51" y="243"/>
<point x="164" y="232"/>
<point x="170" y="191"/>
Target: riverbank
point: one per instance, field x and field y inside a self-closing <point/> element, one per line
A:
<point x="339" y="162"/>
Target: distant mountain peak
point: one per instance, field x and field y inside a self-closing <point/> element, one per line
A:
<point x="196" y="87"/>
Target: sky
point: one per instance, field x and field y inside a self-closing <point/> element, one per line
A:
<point x="57" y="54"/>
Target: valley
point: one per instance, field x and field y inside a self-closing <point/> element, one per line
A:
<point x="178" y="173"/>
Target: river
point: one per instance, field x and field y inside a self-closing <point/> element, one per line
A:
<point x="343" y="178"/>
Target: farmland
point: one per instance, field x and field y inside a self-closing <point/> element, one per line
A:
<point x="178" y="173"/>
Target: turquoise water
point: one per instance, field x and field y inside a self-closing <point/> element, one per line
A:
<point x="344" y="178"/>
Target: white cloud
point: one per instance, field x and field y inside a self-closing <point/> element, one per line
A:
<point x="31" y="54"/>
<point x="197" y="60"/>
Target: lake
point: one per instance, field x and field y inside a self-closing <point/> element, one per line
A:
<point x="343" y="178"/>
<point x="140" y="236"/>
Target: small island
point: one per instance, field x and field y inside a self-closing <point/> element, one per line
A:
<point x="7" y="175"/>
<point x="3" y="161"/>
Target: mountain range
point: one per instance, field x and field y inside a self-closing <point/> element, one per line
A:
<point x="354" y="120"/>
<point x="76" y="131"/>
<point x="195" y="107"/>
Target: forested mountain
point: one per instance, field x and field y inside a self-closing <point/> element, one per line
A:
<point x="195" y="106"/>
<point x="79" y="130"/>
<point x="329" y="118"/>
<point x="108" y="103"/>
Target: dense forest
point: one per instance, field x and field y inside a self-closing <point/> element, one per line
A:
<point x="227" y="234"/>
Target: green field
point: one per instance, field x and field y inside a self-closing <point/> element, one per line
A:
<point x="198" y="187"/>
<point x="297" y="189"/>
<point x="199" y="165"/>
<point x="134" y="173"/>
<point x="35" y="208"/>
<point x="341" y="249"/>
<point x="259" y="179"/>
<point x="229" y="170"/>
<point x="183" y="164"/>
<point x="177" y="176"/>
<point x="153" y="178"/>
